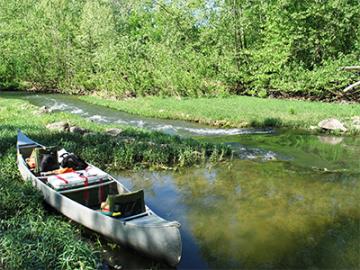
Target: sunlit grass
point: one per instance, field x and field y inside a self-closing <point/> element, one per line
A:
<point x="235" y="111"/>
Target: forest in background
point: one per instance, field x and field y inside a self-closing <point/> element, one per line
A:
<point x="188" y="48"/>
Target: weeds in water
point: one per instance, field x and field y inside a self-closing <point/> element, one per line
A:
<point x="143" y="150"/>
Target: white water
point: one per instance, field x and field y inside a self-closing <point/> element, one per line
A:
<point x="173" y="127"/>
<point x="183" y="129"/>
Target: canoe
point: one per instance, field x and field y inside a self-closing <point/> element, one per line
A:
<point x="145" y="232"/>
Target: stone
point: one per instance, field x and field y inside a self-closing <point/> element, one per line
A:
<point x="113" y="131"/>
<point x="332" y="124"/>
<point x="127" y="140"/>
<point x="79" y="130"/>
<point x="41" y="110"/>
<point x="44" y="109"/>
<point x="330" y="139"/>
<point x="59" y="126"/>
<point x="89" y="134"/>
<point x="356" y="120"/>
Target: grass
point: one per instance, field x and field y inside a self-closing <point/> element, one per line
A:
<point x="235" y="111"/>
<point x="134" y="148"/>
<point x="32" y="237"/>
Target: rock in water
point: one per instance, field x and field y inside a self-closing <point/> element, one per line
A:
<point x="113" y="131"/>
<point x="44" y="109"/>
<point x="59" y="126"/>
<point x="332" y="124"/>
<point x="330" y="139"/>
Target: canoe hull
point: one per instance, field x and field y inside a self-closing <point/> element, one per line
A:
<point x="150" y="235"/>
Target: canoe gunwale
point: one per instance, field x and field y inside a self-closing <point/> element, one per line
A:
<point x="119" y="230"/>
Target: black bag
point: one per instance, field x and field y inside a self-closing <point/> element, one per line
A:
<point x="48" y="163"/>
<point x="46" y="159"/>
<point x="73" y="161"/>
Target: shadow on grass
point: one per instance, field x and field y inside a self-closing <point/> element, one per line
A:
<point x="267" y="122"/>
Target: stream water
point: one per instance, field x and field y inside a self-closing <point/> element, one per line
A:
<point x="287" y="200"/>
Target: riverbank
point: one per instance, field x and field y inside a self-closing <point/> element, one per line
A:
<point x="32" y="237"/>
<point x="238" y="111"/>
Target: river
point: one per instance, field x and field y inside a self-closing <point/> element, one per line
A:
<point x="287" y="199"/>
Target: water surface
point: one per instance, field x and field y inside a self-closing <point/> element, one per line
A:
<point x="260" y="215"/>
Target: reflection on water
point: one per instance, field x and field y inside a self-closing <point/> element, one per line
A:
<point x="118" y="257"/>
<point x="308" y="151"/>
<point x="258" y="215"/>
<point x="302" y="211"/>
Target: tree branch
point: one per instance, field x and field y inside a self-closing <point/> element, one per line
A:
<point x="351" y="68"/>
<point x="352" y="86"/>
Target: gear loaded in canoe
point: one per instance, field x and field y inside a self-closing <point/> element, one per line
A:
<point x="96" y="200"/>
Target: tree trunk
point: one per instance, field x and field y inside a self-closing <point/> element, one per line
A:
<point x="237" y="35"/>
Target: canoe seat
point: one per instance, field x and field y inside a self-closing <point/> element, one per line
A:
<point x="89" y="176"/>
<point x="128" y="204"/>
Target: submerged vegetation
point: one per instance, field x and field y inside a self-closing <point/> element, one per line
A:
<point x="281" y="217"/>
<point x="33" y="238"/>
<point x="270" y="215"/>
<point x="181" y="48"/>
<point x="236" y="111"/>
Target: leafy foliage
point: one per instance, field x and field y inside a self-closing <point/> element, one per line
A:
<point x="179" y="48"/>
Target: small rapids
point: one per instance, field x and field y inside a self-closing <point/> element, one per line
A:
<point x="104" y="115"/>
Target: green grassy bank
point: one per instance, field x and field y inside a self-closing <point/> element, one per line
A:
<point x="32" y="237"/>
<point x="236" y="111"/>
